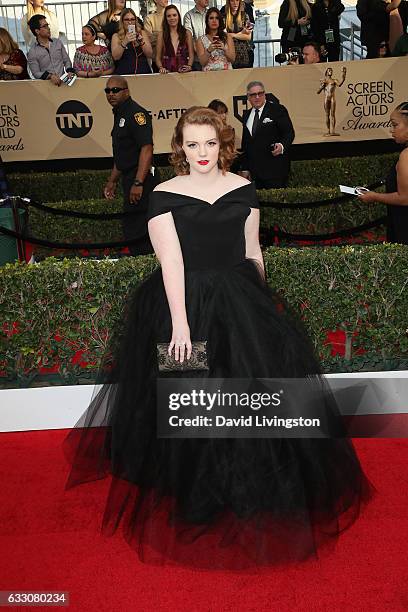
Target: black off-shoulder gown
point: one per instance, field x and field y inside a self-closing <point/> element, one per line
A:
<point x="213" y="503"/>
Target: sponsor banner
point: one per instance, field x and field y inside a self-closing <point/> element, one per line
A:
<point x="340" y="101"/>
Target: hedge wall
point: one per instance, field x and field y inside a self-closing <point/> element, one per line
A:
<point x="53" y="187"/>
<point x="56" y="315"/>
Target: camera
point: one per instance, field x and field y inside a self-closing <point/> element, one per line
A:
<point x="294" y="54"/>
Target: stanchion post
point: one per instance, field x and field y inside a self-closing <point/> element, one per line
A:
<point x="276" y="235"/>
<point x="17" y="227"/>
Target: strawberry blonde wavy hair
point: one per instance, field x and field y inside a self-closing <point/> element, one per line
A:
<point x="201" y="115"/>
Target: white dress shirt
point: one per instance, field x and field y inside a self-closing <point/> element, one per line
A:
<point x="250" y="123"/>
<point x="251" y="117"/>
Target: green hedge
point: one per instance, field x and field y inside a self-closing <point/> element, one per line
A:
<point x="58" y="312"/>
<point x="82" y="185"/>
<point x="323" y="219"/>
<point x="305" y="220"/>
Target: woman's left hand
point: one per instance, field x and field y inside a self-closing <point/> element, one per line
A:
<point x="139" y="40"/>
<point x="368" y="196"/>
<point x="185" y="68"/>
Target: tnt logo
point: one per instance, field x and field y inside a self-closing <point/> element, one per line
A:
<point x="74" y="119"/>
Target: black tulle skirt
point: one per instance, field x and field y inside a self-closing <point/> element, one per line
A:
<point x="213" y="503"/>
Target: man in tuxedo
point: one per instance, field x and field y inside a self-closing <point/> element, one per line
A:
<point x="266" y="137"/>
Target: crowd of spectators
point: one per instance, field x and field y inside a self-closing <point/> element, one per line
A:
<point x="206" y="39"/>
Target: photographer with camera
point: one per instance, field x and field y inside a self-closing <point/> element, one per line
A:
<point x="292" y="57"/>
<point x="295" y="20"/>
<point x="310" y="54"/>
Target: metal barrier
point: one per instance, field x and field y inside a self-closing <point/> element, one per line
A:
<point x="265" y="51"/>
<point x="351" y="47"/>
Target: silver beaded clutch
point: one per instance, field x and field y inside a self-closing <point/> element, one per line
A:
<point x="198" y="359"/>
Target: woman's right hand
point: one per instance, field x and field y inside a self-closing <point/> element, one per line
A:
<point x="163" y="70"/>
<point x="129" y="37"/>
<point x="180" y="342"/>
<point x="368" y="197"/>
<point x="215" y="46"/>
<point x="109" y="190"/>
<point x="303" y="21"/>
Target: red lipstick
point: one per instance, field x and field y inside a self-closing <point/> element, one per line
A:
<point x="204" y="162"/>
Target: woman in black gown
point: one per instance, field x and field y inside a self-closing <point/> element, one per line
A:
<point x="396" y="183"/>
<point x="214" y="503"/>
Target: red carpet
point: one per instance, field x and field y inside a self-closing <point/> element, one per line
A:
<point x="49" y="540"/>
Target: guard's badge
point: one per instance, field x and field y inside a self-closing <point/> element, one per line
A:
<point x="121" y="122"/>
<point x="140" y="118"/>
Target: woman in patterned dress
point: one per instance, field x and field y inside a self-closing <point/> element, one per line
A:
<point x="215" y="50"/>
<point x="92" y="60"/>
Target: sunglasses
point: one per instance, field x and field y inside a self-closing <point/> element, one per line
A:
<point x="257" y="94"/>
<point x="114" y="90"/>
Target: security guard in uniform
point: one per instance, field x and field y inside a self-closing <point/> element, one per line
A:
<point x="132" y="144"/>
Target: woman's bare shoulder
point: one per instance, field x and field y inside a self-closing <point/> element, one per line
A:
<point x="173" y="184"/>
<point x="404" y="156"/>
<point x="233" y="181"/>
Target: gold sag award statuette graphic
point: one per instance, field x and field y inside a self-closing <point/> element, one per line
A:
<point x="329" y="85"/>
